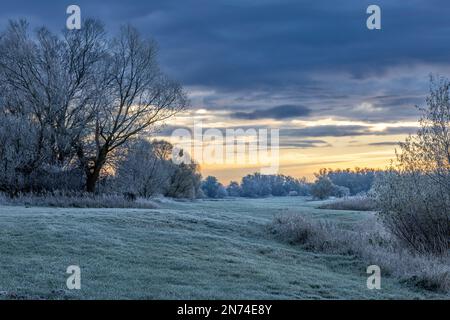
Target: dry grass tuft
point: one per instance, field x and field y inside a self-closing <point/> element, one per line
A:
<point x="368" y="241"/>
<point x="356" y="203"/>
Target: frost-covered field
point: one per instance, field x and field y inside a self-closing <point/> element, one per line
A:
<point x="182" y="250"/>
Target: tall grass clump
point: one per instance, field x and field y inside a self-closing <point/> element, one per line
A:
<point x="370" y="242"/>
<point x="355" y="203"/>
<point x="416" y="210"/>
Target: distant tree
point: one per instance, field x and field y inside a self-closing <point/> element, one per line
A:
<point x="340" y="191"/>
<point x="358" y="180"/>
<point x="256" y="185"/>
<point x="323" y="188"/>
<point x="185" y="181"/>
<point x="234" y="189"/>
<point x="279" y="186"/>
<point x="134" y="97"/>
<point x="212" y="188"/>
<point x="86" y="94"/>
<point x="221" y="192"/>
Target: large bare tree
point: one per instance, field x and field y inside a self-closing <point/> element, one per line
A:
<point x="134" y="97"/>
<point x="49" y="79"/>
<point x="86" y="93"/>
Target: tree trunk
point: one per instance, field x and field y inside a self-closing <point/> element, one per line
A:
<point x="92" y="174"/>
<point x="91" y="180"/>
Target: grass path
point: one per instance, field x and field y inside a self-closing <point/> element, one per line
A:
<point x="184" y="250"/>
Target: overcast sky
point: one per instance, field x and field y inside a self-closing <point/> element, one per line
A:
<point x="311" y="68"/>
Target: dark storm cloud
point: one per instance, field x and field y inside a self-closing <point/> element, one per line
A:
<point x="383" y="144"/>
<point x="314" y="53"/>
<point x="277" y="113"/>
<point x="307" y="136"/>
<point x="302" y="144"/>
<point x="230" y="43"/>
<point x="401" y="130"/>
<point x="326" y="130"/>
<point x="343" y="131"/>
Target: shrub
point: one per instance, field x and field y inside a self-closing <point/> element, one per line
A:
<point x="356" y="203"/>
<point x="147" y="170"/>
<point x="323" y="188"/>
<point x="415" y="210"/>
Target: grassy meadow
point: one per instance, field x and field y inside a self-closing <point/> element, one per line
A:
<point x="182" y="250"/>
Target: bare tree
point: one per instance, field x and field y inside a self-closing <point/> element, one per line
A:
<point x="428" y="152"/>
<point x="134" y="96"/>
<point x="85" y="94"/>
<point x="50" y="79"/>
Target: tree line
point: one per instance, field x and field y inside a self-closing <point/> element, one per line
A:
<point x="328" y="183"/>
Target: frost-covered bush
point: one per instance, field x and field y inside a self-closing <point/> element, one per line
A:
<point x="146" y="168"/>
<point x="415" y="210"/>
<point x="222" y="192"/>
<point x="341" y="191"/>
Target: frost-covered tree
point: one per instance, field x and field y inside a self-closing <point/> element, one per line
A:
<point x="234" y="189"/>
<point x="134" y="98"/>
<point x="19" y="141"/>
<point x="50" y="80"/>
<point x="357" y="180"/>
<point x="414" y="194"/>
<point x="323" y="188"/>
<point x="87" y="94"/>
<point x="256" y="185"/>
<point x="212" y="188"/>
